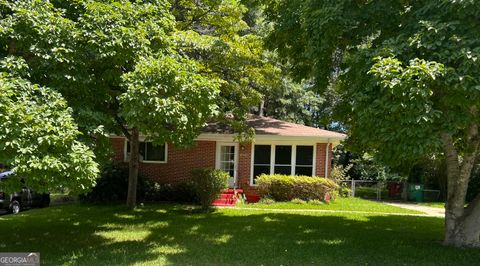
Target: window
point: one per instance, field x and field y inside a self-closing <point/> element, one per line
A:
<point x="149" y="152"/>
<point x="304" y="160"/>
<point x="283" y="159"/>
<point x="261" y="161"/>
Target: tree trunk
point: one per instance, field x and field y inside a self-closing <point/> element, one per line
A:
<point x="463" y="231"/>
<point x="462" y="225"/>
<point x="261" y="108"/>
<point x="133" y="169"/>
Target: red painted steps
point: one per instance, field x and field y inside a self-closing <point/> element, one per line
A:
<point x="228" y="197"/>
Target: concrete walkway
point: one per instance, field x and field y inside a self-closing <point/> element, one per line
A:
<point x="430" y="211"/>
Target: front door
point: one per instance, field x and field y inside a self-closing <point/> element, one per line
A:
<point x="227" y="161"/>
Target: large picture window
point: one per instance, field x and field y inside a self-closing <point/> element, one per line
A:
<point x="149" y="152"/>
<point x="283" y="159"/>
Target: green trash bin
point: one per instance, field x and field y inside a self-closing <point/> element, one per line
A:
<point x="415" y="192"/>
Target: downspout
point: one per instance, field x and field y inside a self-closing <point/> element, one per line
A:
<point x="326" y="158"/>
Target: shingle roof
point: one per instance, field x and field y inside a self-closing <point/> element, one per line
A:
<point x="270" y="126"/>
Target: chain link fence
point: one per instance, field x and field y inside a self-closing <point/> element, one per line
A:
<point x="377" y="190"/>
<point x="384" y="190"/>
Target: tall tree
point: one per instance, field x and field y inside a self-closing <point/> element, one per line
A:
<point x="409" y="76"/>
<point x="283" y="97"/>
<point x="116" y="65"/>
<point x="219" y="36"/>
<point x="155" y="67"/>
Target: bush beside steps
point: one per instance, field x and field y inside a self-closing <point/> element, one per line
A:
<point x="208" y="184"/>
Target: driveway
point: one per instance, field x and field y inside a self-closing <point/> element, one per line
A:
<point x="437" y="212"/>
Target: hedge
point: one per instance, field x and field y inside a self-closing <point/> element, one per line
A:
<point x="286" y="188"/>
<point x="183" y="192"/>
<point x="112" y="185"/>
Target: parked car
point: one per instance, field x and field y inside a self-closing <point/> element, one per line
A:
<point x="18" y="201"/>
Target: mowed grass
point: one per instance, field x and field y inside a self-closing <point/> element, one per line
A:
<point x="163" y="234"/>
<point x="340" y="204"/>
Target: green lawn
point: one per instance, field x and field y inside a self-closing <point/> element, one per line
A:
<point x="341" y="204"/>
<point x="173" y="235"/>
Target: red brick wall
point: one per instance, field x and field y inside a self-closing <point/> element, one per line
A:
<point x="180" y="162"/>
<point x="244" y="170"/>
<point x="118" y="145"/>
<point x="320" y="162"/>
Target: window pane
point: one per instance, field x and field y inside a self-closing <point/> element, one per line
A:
<point x="258" y="170"/>
<point x="303" y="170"/>
<point x="141" y="149"/>
<point x="262" y="154"/>
<point x="155" y="152"/>
<point x="304" y="155"/>
<point x="227" y="153"/>
<point x="283" y="170"/>
<point x="283" y="154"/>
<point x="228" y="167"/>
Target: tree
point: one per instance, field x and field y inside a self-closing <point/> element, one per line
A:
<point x="364" y="166"/>
<point x="281" y="97"/>
<point x="40" y="139"/>
<point x="409" y="78"/>
<point x="102" y="57"/>
<point x="155" y="67"/>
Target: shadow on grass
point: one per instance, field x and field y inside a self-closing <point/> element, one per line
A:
<point x="168" y="234"/>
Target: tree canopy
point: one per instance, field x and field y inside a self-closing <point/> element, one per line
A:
<point x="162" y="68"/>
<point x="408" y="76"/>
<point x="405" y="69"/>
<point x="40" y="138"/>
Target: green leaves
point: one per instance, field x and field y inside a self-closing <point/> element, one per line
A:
<point x="38" y="137"/>
<point x="168" y="100"/>
<point x="405" y="70"/>
<point x="416" y="76"/>
<point x="165" y="67"/>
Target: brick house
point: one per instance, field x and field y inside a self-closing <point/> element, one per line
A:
<point x="278" y="147"/>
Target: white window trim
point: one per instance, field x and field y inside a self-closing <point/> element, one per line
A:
<point x="217" y="158"/>
<point x="125" y="154"/>
<point x="272" y="157"/>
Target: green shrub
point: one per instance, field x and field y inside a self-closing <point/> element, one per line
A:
<point x="298" y="201"/>
<point x="340" y="173"/>
<point x="316" y="202"/>
<point x="286" y="188"/>
<point x="344" y="191"/>
<point x="266" y="201"/>
<point x="208" y="184"/>
<point x="180" y="192"/>
<point x="112" y="185"/>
